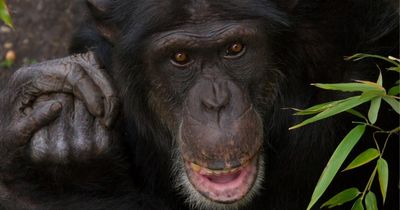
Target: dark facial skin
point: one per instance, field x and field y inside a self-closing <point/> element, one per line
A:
<point x="205" y="72"/>
<point x="59" y="110"/>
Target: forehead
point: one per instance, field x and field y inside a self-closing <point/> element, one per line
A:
<point x="205" y="34"/>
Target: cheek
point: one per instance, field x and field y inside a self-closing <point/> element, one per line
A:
<point x="164" y="105"/>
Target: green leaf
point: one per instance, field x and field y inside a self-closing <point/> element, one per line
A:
<point x="383" y="175"/>
<point x="372" y="93"/>
<point x="380" y="79"/>
<point x="349" y="87"/>
<point x="363" y="158"/>
<point x="4" y="14"/>
<point x="395" y="104"/>
<point x="318" y="108"/>
<point x="370" y="201"/>
<point x="342" y="197"/>
<point x="374" y="109"/>
<point x="396" y="69"/>
<point x="358" y="205"/>
<point x="356" y="113"/>
<point x="360" y="56"/>
<point x="335" y="162"/>
<point x="394" y="91"/>
<point x="341" y="107"/>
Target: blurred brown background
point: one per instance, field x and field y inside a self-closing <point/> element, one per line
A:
<point x="42" y="31"/>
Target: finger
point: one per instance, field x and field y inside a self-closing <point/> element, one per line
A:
<point x="60" y="131"/>
<point x="102" y="138"/>
<point x="83" y="130"/>
<point x="102" y="79"/>
<point x="69" y="77"/>
<point x="37" y="119"/>
<point x="39" y="145"/>
<point x="89" y="93"/>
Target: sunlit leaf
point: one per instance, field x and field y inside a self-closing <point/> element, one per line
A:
<point x="394" y="91"/>
<point x="370" y="201"/>
<point x="383" y="175"/>
<point x="349" y="87"/>
<point x="342" y="198"/>
<point x="360" y="56"/>
<point x="374" y="109"/>
<point x="335" y="162"/>
<point x="341" y="107"/>
<point x="363" y="158"/>
<point x="395" y="104"/>
<point x="358" y="205"/>
<point x="4" y="14"/>
<point x="394" y="58"/>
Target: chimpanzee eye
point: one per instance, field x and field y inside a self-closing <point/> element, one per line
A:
<point x="180" y="59"/>
<point x="235" y="50"/>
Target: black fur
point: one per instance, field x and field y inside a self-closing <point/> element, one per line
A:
<point x="308" y="42"/>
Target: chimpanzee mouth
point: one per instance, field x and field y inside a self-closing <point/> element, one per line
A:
<point x="223" y="186"/>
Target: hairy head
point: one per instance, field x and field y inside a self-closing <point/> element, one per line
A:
<point x="196" y="76"/>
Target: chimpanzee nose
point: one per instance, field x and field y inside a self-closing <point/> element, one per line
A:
<point x="216" y="97"/>
<point x="215" y="101"/>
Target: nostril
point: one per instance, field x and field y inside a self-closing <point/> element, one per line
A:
<point x="210" y="104"/>
<point x="216" y="104"/>
<point x="218" y="97"/>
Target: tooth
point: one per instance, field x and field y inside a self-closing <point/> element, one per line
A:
<point x="195" y="167"/>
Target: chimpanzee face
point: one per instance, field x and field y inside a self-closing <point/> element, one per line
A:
<point x="205" y="84"/>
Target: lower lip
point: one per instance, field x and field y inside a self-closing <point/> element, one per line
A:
<point x="227" y="188"/>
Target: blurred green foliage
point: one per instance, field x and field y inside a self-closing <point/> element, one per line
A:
<point x="5" y="14"/>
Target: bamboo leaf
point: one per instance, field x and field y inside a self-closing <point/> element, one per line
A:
<point x="360" y="56"/>
<point x="395" y="104"/>
<point x="4" y="14"/>
<point x="357" y="114"/>
<point x="383" y="175"/>
<point x="394" y="91"/>
<point x="380" y="79"/>
<point x="374" y="109"/>
<point x="342" y="198"/>
<point x="319" y="107"/>
<point x="341" y="107"/>
<point x="363" y="158"/>
<point x="394" y="58"/>
<point x="396" y="69"/>
<point x="370" y="201"/>
<point x="335" y="162"/>
<point x="349" y="87"/>
<point x="358" y="205"/>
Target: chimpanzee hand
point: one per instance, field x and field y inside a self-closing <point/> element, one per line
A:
<point x="59" y="110"/>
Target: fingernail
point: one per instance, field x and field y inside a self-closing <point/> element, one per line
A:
<point x="56" y="107"/>
<point x="99" y="110"/>
<point x="105" y="122"/>
<point x="108" y="122"/>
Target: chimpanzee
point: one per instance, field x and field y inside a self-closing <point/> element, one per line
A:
<point x="179" y="104"/>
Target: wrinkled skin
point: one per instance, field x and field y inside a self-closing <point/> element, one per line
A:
<point x="61" y="110"/>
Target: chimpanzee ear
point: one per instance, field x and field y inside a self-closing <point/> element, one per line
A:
<point x="288" y="5"/>
<point x="100" y="10"/>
